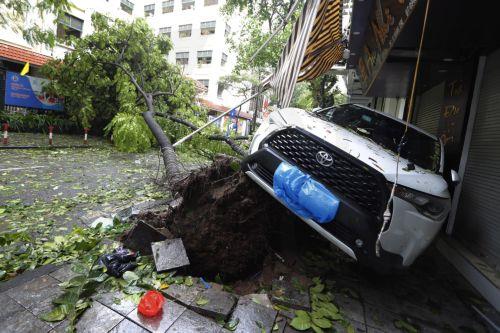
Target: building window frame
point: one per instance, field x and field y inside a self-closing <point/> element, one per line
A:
<point x="211" y="2"/>
<point x="223" y="59"/>
<point x="182" y="58"/>
<point x="227" y="30"/>
<point x="127" y="6"/>
<point x="187" y="4"/>
<point x="167" y="31"/>
<point x="149" y="10"/>
<point x="69" y="25"/>
<point x="185" y="30"/>
<point x="204" y="57"/>
<point x="207" y="28"/>
<point x="205" y="83"/>
<point x="167" y="7"/>
<point x="220" y="89"/>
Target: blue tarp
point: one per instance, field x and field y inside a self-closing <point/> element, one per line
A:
<point x="303" y="195"/>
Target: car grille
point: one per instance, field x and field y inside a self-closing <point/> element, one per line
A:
<point x="347" y="176"/>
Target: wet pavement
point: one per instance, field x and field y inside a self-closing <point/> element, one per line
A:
<point x="73" y="187"/>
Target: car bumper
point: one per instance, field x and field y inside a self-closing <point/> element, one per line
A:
<point x="353" y="230"/>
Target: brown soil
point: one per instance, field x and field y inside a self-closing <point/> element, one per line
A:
<point x="224" y="222"/>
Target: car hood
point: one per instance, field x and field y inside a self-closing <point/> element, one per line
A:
<point x="365" y="150"/>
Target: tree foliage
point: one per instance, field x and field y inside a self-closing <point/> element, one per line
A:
<point x="97" y="80"/>
<point x="324" y="92"/>
<point x="27" y="17"/>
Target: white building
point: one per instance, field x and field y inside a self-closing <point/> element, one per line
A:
<point x="196" y="27"/>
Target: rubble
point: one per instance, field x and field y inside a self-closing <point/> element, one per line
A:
<point x="169" y="254"/>
<point x="253" y="317"/>
<point x="284" y="293"/>
<point x="141" y="236"/>
<point x="214" y="303"/>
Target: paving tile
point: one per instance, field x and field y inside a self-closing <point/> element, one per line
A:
<point x="358" y="327"/>
<point x="26" y="277"/>
<point x="183" y="294"/>
<point x="350" y="307"/>
<point x="60" y="327"/>
<point x="370" y="329"/>
<point x="169" y="254"/>
<point x="160" y="323"/>
<point x="261" y="299"/>
<point x="252" y="315"/>
<point x="116" y="301"/>
<point x="127" y="326"/>
<point x="191" y="322"/>
<point x="220" y="303"/>
<point x="23" y="321"/>
<point x="9" y="306"/>
<point x="377" y="317"/>
<point x="97" y="319"/>
<point x="63" y="274"/>
<point x="284" y="293"/>
<point x="36" y="294"/>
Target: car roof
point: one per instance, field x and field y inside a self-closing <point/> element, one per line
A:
<point x="418" y="129"/>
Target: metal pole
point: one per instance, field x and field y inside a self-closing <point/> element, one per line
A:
<point x="213" y="120"/>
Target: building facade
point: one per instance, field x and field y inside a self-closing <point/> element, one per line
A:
<point x="457" y="99"/>
<point x="197" y="28"/>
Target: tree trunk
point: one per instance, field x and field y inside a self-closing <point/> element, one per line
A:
<point x="173" y="167"/>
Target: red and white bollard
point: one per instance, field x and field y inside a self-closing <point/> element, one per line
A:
<point x="6" y="133"/>
<point x="51" y="129"/>
<point x="85" y="136"/>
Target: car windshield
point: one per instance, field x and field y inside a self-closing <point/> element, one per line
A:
<point x="418" y="147"/>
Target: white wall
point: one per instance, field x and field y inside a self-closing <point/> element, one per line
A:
<point x="83" y="9"/>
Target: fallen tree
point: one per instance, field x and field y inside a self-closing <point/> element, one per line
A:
<point x="224" y="218"/>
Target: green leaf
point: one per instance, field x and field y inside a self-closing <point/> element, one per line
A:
<point x="202" y="301"/>
<point x="57" y="314"/>
<point x="130" y="276"/>
<point x="350" y="329"/>
<point x="301" y="323"/>
<point x="316" y="329"/>
<point x="318" y="288"/>
<point x="188" y="281"/>
<point x="232" y="324"/>
<point x="321" y="322"/>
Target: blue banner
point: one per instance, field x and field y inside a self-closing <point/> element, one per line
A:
<point x="27" y="91"/>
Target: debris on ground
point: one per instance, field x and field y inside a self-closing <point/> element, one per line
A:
<point x="102" y="222"/>
<point x="140" y="237"/>
<point x="151" y="303"/>
<point x="214" y="303"/>
<point x="291" y="296"/>
<point x="118" y="262"/>
<point x="169" y="254"/>
<point x="253" y="317"/>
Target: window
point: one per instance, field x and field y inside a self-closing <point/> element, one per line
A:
<point x="187" y="4"/>
<point x="166" y="31"/>
<point x="220" y="89"/>
<point x="207" y="28"/>
<point x="227" y="31"/>
<point x="223" y="59"/>
<point x="69" y="26"/>
<point x="182" y="58"/>
<point x="167" y="6"/>
<point x="149" y="10"/>
<point x="185" y="30"/>
<point x="127" y="6"/>
<point x="204" y="83"/>
<point x="211" y="2"/>
<point x="204" y="57"/>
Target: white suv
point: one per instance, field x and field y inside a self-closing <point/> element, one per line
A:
<point x="351" y="151"/>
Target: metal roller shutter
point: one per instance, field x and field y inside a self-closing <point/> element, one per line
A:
<point x="478" y="215"/>
<point x="429" y="109"/>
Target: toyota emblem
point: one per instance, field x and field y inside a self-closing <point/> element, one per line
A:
<point x="324" y="158"/>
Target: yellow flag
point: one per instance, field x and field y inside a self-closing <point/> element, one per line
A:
<point x="26" y="68"/>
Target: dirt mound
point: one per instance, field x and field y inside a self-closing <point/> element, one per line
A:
<point x="224" y="221"/>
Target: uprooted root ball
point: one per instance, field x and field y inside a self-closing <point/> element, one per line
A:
<point x="223" y="221"/>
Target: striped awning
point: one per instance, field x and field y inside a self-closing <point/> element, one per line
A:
<point x="314" y="46"/>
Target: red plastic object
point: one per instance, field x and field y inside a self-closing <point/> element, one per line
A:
<point x="151" y="303"/>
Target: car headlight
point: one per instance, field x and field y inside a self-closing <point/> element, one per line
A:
<point x="431" y="206"/>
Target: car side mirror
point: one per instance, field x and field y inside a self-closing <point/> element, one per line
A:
<point x="455" y="178"/>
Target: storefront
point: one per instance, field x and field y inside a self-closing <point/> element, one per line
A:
<point x="457" y="99"/>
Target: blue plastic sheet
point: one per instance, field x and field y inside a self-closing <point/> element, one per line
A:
<point x="303" y="195"/>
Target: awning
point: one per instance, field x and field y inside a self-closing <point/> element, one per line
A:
<point x="314" y="46"/>
<point x="21" y="55"/>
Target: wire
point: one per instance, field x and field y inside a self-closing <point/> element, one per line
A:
<point x="275" y="32"/>
<point x="387" y="212"/>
